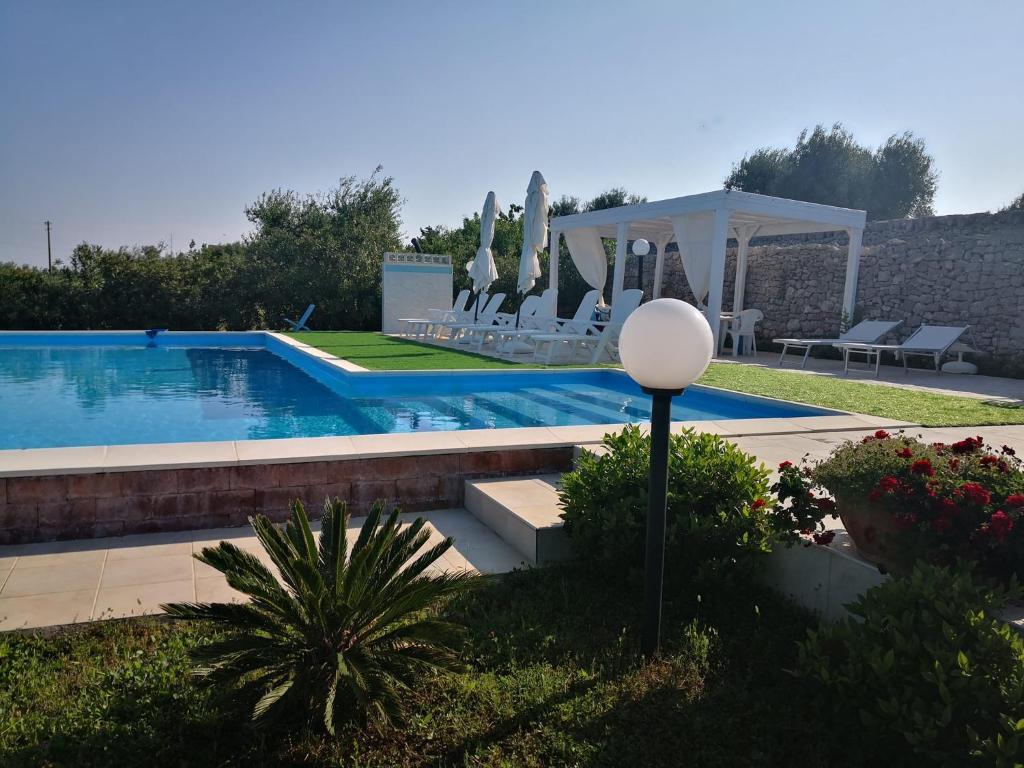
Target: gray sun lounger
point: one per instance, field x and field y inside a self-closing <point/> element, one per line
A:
<point x="864" y="332"/>
<point x="927" y="341"/>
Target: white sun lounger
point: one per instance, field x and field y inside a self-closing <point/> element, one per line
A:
<point x="485" y="317"/>
<point x="528" y="310"/>
<point x="419" y="327"/>
<point x="603" y="337"/>
<point x="578" y="323"/>
<point x="864" y="332"/>
<point x="927" y="341"/>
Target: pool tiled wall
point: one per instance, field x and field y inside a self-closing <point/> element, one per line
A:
<point x="67" y="506"/>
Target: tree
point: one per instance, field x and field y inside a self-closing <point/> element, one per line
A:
<point x="1016" y="205"/>
<point x="896" y="180"/>
<point x="323" y="248"/>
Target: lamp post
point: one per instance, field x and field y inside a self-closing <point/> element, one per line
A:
<point x="640" y="249"/>
<point x="665" y="346"/>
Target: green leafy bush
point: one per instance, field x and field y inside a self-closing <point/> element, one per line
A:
<point x="343" y="634"/>
<point x="716" y="502"/>
<point x="928" y="673"/>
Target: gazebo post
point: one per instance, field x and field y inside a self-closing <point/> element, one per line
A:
<point x="554" y="236"/>
<point x="659" y="264"/>
<point x="852" y="272"/>
<point x="743" y="235"/>
<point x="619" y="273"/>
<point x="716" y="281"/>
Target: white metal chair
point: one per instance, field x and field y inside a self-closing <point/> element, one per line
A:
<point x="743" y="326"/>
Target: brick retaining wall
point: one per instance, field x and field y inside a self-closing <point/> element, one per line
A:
<point x="73" y="506"/>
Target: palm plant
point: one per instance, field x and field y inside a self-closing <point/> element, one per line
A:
<point x="343" y="634"/>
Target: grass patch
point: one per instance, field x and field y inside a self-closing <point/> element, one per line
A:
<point x="926" y="408"/>
<point x="555" y="682"/>
<point x="386" y="353"/>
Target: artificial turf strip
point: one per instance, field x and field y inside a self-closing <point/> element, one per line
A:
<point x="387" y="353"/>
<point x="928" y="409"/>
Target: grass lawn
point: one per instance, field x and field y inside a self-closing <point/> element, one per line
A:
<point x="378" y="352"/>
<point x="925" y="408"/>
<point x="555" y="681"/>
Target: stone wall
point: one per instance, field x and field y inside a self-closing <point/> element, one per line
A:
<point x="940" y="270"/>
<point x="74" y="506"/>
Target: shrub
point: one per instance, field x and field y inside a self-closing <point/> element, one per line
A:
<point x="716" y="509"/>
<point x="928" y="672"/>
<point x="947" y="501"/>
<point x="343" y="634"/>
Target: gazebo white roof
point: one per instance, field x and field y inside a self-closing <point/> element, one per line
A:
<point x="740" y="215"/>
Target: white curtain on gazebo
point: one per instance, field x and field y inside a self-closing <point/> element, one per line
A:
<point x="694" y="233"/>
<point x="588" y="255"/>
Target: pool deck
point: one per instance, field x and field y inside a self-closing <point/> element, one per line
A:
<point x="71" y="582"/>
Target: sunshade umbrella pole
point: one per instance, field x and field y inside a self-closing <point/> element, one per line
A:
<point x="535" y="233"/>
<point x="481" y="269"/>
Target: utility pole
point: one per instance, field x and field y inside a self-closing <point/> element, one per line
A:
<point x="49" y="251"/>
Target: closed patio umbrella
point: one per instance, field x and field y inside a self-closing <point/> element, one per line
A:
<point x="535" y="234"/>
<point x="482" y="270"/>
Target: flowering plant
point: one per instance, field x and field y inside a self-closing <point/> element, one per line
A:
<point x="944" y="500"/>
<point x="801" y="507"/>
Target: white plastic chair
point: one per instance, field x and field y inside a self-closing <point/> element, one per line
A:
<point x="744" y="326"/>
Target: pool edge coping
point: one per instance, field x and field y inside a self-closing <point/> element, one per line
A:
<point x="33" y="462"/>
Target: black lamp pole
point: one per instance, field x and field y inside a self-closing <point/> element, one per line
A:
<point x="657" y="499"/>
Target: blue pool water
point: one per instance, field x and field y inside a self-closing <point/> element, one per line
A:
<point x="110" y="389"/>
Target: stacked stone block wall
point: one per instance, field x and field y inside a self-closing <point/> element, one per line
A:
<point x="941" y="270"/>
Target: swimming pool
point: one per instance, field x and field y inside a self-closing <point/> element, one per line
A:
<point x="85" y="389"/>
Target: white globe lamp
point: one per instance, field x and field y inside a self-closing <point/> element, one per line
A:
<point x="665" y="346"/>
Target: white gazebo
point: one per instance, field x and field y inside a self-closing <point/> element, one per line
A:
<point x="700" y="225"/>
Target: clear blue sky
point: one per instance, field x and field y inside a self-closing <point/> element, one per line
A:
<point x="134" y="122"/>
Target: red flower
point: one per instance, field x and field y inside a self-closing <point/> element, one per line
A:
<point x="758" y="503"/>
<point x="1009" y="451"/>
<point x="881" y="434"/>
<point x="1015" y="500"/>
<point x="999" y="525"/>
<point x="875" y="496"/>
<point x="941" y="524"/>
<point x="904" y="453"/>
<point x="948" y="507"/>
<point x="824" y="538"/>
<point x="974" y="493"/>
<point x="922" y="467"/>
<point x="954" y="464"/>
<point x="825" y="505"/>
<point x="989" y="460"/>
<point x="888" y="483"/>
<point x="968" y="445"/>
<point x="786" y="465"/>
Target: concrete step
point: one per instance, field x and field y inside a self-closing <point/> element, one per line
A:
<point x="524" y="512"/>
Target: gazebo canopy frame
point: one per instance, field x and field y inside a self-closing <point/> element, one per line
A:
<point x="724" y="214"/>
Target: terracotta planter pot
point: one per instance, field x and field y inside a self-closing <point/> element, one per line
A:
<point x="872" y="530"/>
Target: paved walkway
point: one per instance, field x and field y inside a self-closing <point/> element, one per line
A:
<point x="77" y="581"/>
<point x="69" y="582"/>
